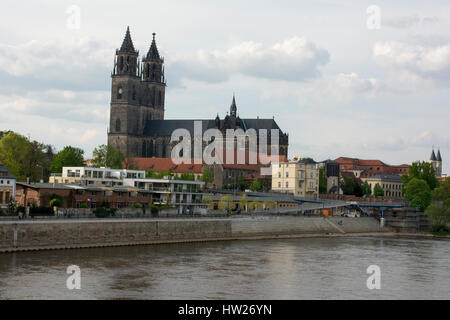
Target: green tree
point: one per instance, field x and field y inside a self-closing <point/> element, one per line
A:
<point x="366" y="189"/>
<point x="350" y="186"/>
<point x="226" y="202"/>
<point x="418" y="193"/>
<point x="322" y="181"/>
<point x="68" y="157"/>
<point x="243" y="202"/>
<point x="187" y="176"/>
<point x="207" y="175"/>
<point x="442" y="192"/>
<point x="108" y="156"/>
<point x="23" y="158"/>
<point x="256" y="185"/>
<point x="378" y="191"/>
<point x="421" y="170"/>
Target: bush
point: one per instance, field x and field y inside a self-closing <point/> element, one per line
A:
<point x="440" y="229"/>
<point x="55" y="202"/>
<point x="102" y="212"/>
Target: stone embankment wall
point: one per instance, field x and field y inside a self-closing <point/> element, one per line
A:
<point x="55" y="234"/>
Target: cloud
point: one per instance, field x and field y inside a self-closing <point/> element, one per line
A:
<point x="422" y="60"/>
<point x="69" y="64"/>
<point x="295" y="59"/>
<point x="342" y="87"/>
<point x="84" y="106"/>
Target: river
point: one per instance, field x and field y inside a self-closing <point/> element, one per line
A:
<point x="315" y="268"/>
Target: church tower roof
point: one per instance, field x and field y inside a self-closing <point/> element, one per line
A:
<point x="433" y="156"/>
<point x="127" y="44"/>
<point x="153" y="53"/>
<point x="438" y="157"/>
<point x="233" y="108"/>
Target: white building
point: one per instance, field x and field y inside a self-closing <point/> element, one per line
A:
<point x="95" y="176"/>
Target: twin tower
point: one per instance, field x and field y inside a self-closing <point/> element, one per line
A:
<point x="137" y="94"/>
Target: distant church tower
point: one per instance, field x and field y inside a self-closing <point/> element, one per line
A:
<point x="436" y="162"/>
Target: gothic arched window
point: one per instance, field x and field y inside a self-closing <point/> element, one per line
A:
<point x="118" y="125"/>
<point x="159" y="98"/>
<point x="119" y="92"/>
<point x="144" y="149"/>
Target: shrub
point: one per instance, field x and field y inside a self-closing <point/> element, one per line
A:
<point x="55" y="202"/>
<point x="440" y="229"/>
<point x="102" y="212"/>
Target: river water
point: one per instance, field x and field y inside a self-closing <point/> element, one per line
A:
<point x="316" y="268"/>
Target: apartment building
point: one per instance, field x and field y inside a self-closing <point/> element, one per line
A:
<point x="300" y="178"/>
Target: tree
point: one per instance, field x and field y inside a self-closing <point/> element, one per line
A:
<point x="243" y="202"/>
<point x="350" y="186"/>
<point x="108" y="156"/>
<point x="23" y="158"/>
<point x="256" y="185"/>
<point x="225" y="203"/>
<point x="378" y="191"/>
<point x="68" y="157"/>
<point x="442" y="192"/>
<point x="322" y="181"/>
<point x="366" y="189"/>
<point x="421" y="170"/>
<point x="207" y="175"/>
<point x="418" y="193"/>
<point x="187" y="176"/>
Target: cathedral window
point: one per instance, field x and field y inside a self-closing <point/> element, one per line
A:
<point x="118" y="125"/>
<point x="119" y="93"/>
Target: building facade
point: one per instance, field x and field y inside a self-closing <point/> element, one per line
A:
<point x="300" y="178"/>
<point x="95" y="176"/>
<point x="391" y="184"/>
<point x="7" y="187"/>
<point x="137" y="125"/>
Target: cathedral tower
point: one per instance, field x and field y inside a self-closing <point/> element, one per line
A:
<point x="125" y="96"/>
<point x="154" y="83"/>
<point x="436" y="162"/>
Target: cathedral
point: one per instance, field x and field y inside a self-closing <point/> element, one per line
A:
<point x="137" y="125"/>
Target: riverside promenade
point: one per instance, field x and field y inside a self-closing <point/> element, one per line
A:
<point x="88" y="233"/>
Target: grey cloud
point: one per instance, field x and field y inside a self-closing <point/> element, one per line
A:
<point x="295" y="59"/>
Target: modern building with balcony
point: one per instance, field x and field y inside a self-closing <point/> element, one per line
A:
<point x="95" y="176"/>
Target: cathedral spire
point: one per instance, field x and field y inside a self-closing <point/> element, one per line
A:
<point x="153" y="53"/>
<point x="433" y="156"/>
<point x="127" y="44"/>
<point x="233" y="108"/>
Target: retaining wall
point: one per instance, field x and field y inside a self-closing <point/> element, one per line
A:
<point x="25" y="235"/>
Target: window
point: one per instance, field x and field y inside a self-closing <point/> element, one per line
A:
<point x="279" y="184"/>
<point x="119" y="93"/>
<point x="118" y="125"/>
<point x="279" y="174"/>
<point x="287" y="184"/>
<point x="287" y="174"/>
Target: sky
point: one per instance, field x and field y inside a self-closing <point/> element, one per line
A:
<point x="343" y="78"/>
